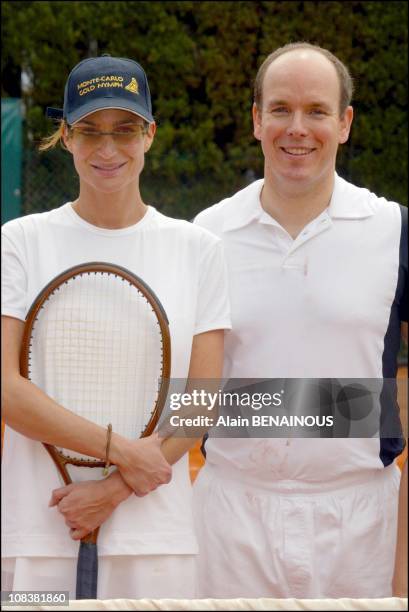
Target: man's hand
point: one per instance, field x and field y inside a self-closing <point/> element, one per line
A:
<point x="86" y="505"/>
<point x="141" y="463"/>
<point x="400" y="574"/>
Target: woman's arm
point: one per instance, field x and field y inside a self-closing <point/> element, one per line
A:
<point x="31" y="412"/>
<point x="87" y="505"/>
<point x="206" y="366"/>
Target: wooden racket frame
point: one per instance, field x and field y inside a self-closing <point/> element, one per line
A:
<point x="59" y="458"/>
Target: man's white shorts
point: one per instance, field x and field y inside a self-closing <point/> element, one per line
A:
<point x="293" y="539"/>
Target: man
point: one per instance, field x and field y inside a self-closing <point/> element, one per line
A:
<point x="318" y="271"/>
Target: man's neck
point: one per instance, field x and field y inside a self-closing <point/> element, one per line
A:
<point x="294" y="208"/>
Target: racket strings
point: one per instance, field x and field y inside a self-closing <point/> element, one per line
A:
<point x="96" y="348"/>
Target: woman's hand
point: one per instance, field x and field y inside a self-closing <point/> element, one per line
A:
<point x="86" y="505"/>
<point x="141" y="463"/>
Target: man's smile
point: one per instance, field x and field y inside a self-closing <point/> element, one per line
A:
<point x="297" y="151"/>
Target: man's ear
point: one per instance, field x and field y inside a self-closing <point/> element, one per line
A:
<point x="256" y="121"/>
<point x="345" y="124"/>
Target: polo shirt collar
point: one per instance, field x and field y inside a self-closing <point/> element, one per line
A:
<point x="347" y="202"/>
<point x="246" y="207"/>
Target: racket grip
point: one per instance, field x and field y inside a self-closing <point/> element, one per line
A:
<point x="91" y="538"/>
<point x="87" y="571"/>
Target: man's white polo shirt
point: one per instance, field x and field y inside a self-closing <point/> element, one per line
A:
<point x="325" y="305"/>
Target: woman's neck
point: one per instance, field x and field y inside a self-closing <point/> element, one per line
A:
<point x="114" y="210"/>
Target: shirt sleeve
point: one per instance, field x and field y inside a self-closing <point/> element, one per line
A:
<point x="14" y="275"/>
<point x="213" y="306"/>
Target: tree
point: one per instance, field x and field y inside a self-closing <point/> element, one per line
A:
<point x="201" y="59"/>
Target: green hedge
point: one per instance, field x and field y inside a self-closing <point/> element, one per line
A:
<point x="201" y="59"/>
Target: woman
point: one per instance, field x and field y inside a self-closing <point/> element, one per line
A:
<point x="146" y="542"/>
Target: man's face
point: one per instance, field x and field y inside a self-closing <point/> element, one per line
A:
<point x="299" y="125"/>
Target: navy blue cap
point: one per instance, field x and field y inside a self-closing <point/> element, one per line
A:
<point x="105" y="82"/>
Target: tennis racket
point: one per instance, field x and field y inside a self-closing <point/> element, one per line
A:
<point x="96" y="340"/>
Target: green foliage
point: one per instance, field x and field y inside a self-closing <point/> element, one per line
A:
<point x="201" y="59"/>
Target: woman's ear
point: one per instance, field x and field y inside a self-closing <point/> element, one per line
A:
<point x="66" y="138"/>
<point x="149" y="137"/>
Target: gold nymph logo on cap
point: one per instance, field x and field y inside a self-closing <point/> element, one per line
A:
<point x="133" y="86"/>
<point x="104" y="81"/>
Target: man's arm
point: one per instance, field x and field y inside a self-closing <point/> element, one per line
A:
<point x="404" y="331"/>
<point x="400" y="576"/>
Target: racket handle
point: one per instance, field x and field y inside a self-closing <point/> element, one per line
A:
<point x="91" y="538"/>
<point x="87" y="571"/>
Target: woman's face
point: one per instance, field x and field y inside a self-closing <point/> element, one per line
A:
<point x="109" y="162"/>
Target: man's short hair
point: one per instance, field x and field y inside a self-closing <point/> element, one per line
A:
<point x="345" y="79"/>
